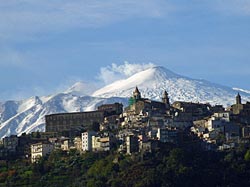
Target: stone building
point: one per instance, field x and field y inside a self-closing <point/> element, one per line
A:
<point x="165" y="100"/>
<point x="148" y="146"/>
<point x="240" y="112"/>
<point x="238" y="107"/>
<point x="11" y="143"/>
<point x="167" y="135"/>
<point x="132" y="144"/>
<point x="196" y="111"/>
<point x="72" y="124"/>
<point x="110" y="123"/>
<point x="111" y="109"/>
<point x="138" y="105"/>
<point x="246" y="132"/>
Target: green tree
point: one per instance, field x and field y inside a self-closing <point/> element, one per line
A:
<point x="247" y="156"/>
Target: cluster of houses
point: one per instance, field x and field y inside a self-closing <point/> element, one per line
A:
<point x="226" y="128"/>
<point x="139" y="128"/>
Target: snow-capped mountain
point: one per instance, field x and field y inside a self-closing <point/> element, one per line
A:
<point x="81" y="89"/>
<point x="27" y="115"/>
<point x="153" y="81"/>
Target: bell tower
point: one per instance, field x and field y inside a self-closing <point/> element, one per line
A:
<point x="165" y="98"/>
<point x="238" y="99"/>
<point x="137" y="94"/>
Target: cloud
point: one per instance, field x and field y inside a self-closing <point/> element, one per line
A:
<point x="115" y="72"/>
<point x="230" y="7"/>
<point x="31" y="17"/>
<point x="12" y="58"/>
<point x="28" y="16"/>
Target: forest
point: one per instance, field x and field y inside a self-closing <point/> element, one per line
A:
<point x="170" y="166"/>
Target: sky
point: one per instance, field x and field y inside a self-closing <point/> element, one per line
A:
<point x="48" y="45"/>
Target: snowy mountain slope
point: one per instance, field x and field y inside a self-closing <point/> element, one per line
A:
<point x="7" y="110"/>
<point x="81" y="89"/>
<point x="152" y="82"/>
<point x="242" y="90"/>
<point x="28" y="115"/>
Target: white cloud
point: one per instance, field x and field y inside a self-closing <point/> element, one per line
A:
<point x="28" y="16"/>
<point x="115" y="72"/>
<point x="12" y="58"/>
<point x="231" y="7"/>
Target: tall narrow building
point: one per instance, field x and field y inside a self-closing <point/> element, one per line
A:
<point x="238" y="99"/>
<point x="165" y="99"/>
<point x="137" y="94"/>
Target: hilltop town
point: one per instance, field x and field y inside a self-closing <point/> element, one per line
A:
<point x="159" y="138"/>
<point x="124" y="93"/>
<point x="138" y="128"/>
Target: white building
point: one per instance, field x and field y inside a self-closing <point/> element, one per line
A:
<point x="65" y="145"/>
<point x="215" y="124"/>
<point x="218" y="120"/>
<point x="167" y="135"/>
<point x="100" y="143"/>
<point x="39" y="150"/>
<point x="224" y="116"/>
<point x="87" y="140"/>
<point x="78" y="143"/>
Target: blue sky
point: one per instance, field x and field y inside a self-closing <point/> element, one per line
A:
<point x="45" y="46"/>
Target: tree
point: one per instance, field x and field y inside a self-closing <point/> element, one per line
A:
<point x="247" y="156"/>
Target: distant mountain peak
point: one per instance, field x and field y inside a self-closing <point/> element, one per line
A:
<point x="80" y="88"/>
<point x="160" y="70"/>
<point x="153" y="81"/>
<point x="148" y="79"/>
<point x="27" y="115"/>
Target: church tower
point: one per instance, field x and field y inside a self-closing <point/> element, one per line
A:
<point x="165" y="98"/>
<point x="238" y="99"/>
<point x="137" y="94"/>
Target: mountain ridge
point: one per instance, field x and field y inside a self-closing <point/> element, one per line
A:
<point x="153" y="81"/>
<point x="27" y="115"/>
